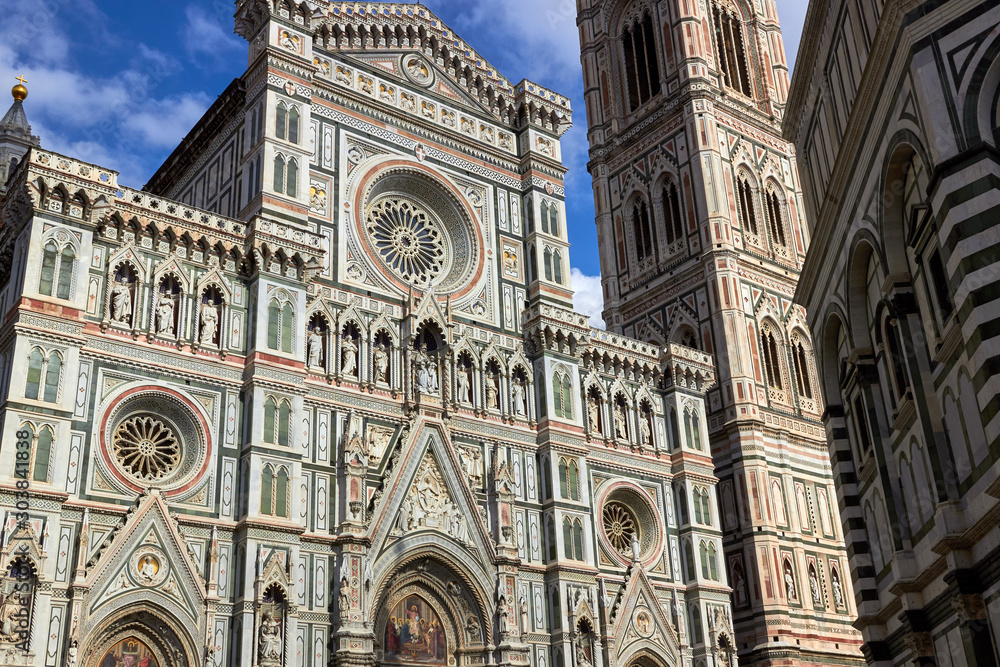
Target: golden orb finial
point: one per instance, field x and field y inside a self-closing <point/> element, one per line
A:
<point x="19" y="91"/>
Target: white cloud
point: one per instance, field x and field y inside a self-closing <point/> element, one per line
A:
<point x="163" y="123"/>
<point x="209" y="39"/>
<point x="588" y="297"/>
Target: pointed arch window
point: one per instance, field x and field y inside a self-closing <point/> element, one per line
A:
<point x="776" y="225"/>
<point x="57" y="270"/>
<point x="731" y="49"/>
<point x="53" y="369"/>
<point x="801" y="360"/>
<point x="642" y="70"/>
<point x="279" y="174"/>
<point x="557" y="267"/>
<point x="573" y="538"/>
<point x="553" y="219"/>
<point x="292" y="179"/>
<point x="281" y="120"/>
<point x="672" y="212"/>
<point x="267" y="490"/>
<point x="642" y="229"/>
<point x="545" y="217"/>
<point x="547" y="259"/>
<point x="293" y="125"/>
<point x="900" y="383"/>
<point x="42" y="455"/>
<point x="34" y="379"/>
<point x="270" y="414"/>
<point x="44" y="372"/>
<point x="680" y="500"/>
<point x="772" y="363"/>
<point x="284" y="422"/>
<point x="748" y="216"/>
<point x="274" y="491"/>
<point x="550" y="537"/>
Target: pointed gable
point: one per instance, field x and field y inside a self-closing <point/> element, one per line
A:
<point x="639" y="624"/>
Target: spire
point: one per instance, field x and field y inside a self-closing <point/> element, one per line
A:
<point x="14" y="126"/>
<point x="16" y="138"/>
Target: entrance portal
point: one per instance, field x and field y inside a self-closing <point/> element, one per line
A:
<point x="414" y="633"/>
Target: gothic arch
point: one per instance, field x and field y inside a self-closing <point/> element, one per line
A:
<point x="170" y="643"/>
<point x="904" y="147"/>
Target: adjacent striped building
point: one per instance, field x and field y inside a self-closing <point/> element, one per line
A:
<point x="894" y="109"/>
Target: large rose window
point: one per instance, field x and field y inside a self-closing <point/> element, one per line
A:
<point x="408" y="239"/>
<point x="619" y="526"/>
<point x="418" y="230"/>
<point x="146" y="448"/>
<point x="627" y="515"/>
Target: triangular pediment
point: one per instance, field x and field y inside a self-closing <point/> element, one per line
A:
<point x="147" y="559"/>
<point x="429" y="495"/>
<point x="639" y="624"/>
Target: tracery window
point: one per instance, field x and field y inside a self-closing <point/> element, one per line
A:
<point x="274" y="491"/>
<point x="680" y="500"/>
<point x="642" y="71"/>
<point x="709" y="561"/>
<point x="146" y="447"/>
<point x="800" y="358"/>
<point x="672" y="212"/>
<point x="408" y="238"/>
<point x="286" y="176"/>
<point x="43" y="375"/>
<point x="562" y="395"/>
<point x="731" y="48"/>
<point x="692" y="429"/>
<point x="286" y="121"/>
<point x="569" y="479"/>
<point x="557" y="267"/>
<point x="775" y="224"/>
<point x="573" y="538"/>
<point x="57" y="270"/>
<point x="620" y="525"/>
<point x="748" y="216"/>
<point x="545" y="217"/>
<point x="702" y="509"/>
<point x="772" y="363"/>
<point x="547" y="260"/>
<point x="277" y="420"/>
<point x="280" y="323"/>
<point x="40" y="453"/>
<point x="642" y="229"/>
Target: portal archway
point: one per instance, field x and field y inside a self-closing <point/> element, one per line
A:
<point x="429" y="615"/>
<point x="140" y="632"/>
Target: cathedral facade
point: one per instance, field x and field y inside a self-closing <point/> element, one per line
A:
<point x="702" y="238"/>
<point x="894" y="111"/>
<point x="316" y="394"/>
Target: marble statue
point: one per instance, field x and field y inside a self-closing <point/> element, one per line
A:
<point x="593" y="413"/>
<point x="621" y="428"/>
<point x="463" y="384"/>
<point x="315" y="349"/>
<point x="349" y="355"/>
<point x="381" y="358"/>
<point x="517" y="395"/>
<point x="121" y="303"/>
<point x="270" y="638"/>
<point x="165" y="315"/>
<point x="492" y="395"/>
<point x="209" y="323"/>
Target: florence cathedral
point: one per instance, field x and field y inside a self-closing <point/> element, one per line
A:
<point x="316" y="394"/>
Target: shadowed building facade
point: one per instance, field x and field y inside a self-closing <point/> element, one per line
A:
<point x="701" y="235"/>
<point x="893" y="109"/>
<point x="316" y="394"/>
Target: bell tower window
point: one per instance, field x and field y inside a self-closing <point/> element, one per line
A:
<point x="642" y="71"/>
<point x="731" y="49"/>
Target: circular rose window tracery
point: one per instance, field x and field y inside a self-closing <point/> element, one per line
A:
<point x="408" y="239"/>
<point x="619" y="527"/>
<point x="146" y="448"/>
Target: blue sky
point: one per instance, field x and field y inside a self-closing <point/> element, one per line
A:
<point x="120" y="83"/>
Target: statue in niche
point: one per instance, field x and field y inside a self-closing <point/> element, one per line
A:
<point x="492" y="394"/>
<point x="426" y="370"/>
<point x="739" y="588"/>
<point x="814" y="587"/>
<point x="524" y="616"/>
<point x="71" y="654"/>
<point x="381" y="358"/>
<point x="270" y="638"/>
<point x="790" y="582"/>
<point x="209" y="323"/>
<point x="349" y="355"/>
<point x="405" y="515"/>
<point x="645" y="434"/>
<point x="621" y="427"/>
<point x="517" y="394"/>
<point x="315" y="349"/>
<point x="165" y="315"/>
<point x="344" y="601"/>
<point x="838" y="593"/>
<point x="594" y="414"/>
<point x="464" y="386"/>
<point x="121" y="302"/>
<point x="636" y="548"/>
<point x="503" y="617"/>
<point x="581" y="655"/>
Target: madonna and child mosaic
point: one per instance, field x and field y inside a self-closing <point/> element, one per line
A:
<point x="414" y="634"/>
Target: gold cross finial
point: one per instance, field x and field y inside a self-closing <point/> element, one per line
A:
<point x="19" y="92"/>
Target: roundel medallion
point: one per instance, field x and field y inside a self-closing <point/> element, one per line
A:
<point x="417" y="70"/>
